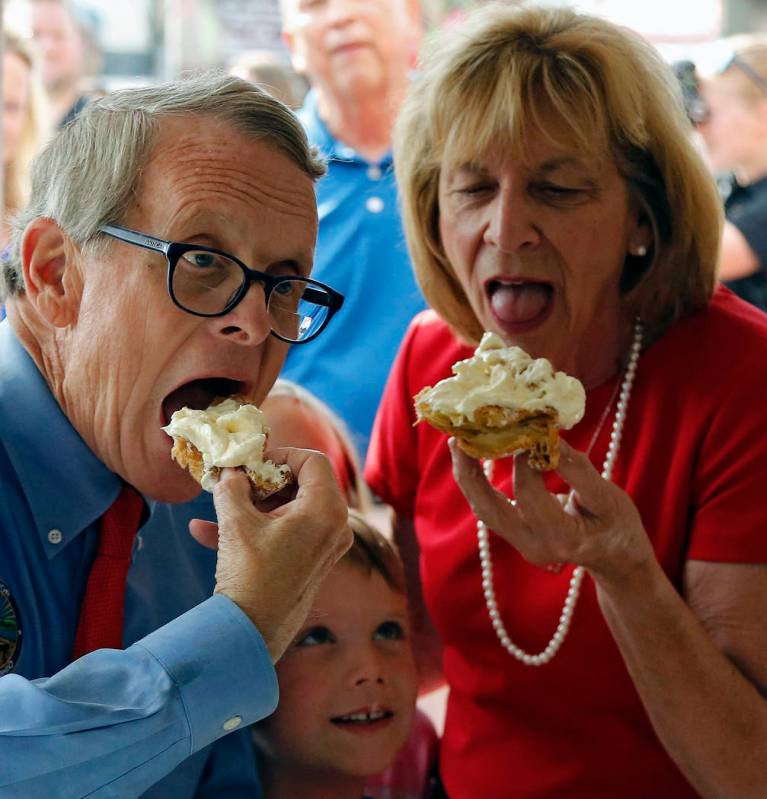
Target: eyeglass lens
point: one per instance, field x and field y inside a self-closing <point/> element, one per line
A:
<point x="205" y="282"/>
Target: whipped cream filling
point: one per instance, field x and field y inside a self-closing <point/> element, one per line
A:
<point x="508" y="377"/>
<point x="228" y="434"/>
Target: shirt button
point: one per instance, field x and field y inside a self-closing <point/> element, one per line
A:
<point x="232" y="723"/>
<point x="55" y="536"/>
<point x="374" y="172"/>
<point x="375" y="205"/>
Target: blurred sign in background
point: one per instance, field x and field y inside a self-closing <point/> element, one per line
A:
<point x="147" y="40"/>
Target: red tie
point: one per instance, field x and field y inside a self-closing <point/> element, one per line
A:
<point x="102" y="610"/>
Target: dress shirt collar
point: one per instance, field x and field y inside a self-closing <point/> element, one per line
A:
<point x="66" y="485"/>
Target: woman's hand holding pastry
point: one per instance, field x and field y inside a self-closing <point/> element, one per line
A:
<point x="272" y="559"/>
<point x="599" y="527"/>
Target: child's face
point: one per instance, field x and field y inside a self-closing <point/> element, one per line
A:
<point x="348" y="683"/>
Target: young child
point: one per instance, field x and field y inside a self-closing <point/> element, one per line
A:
<point x="348" y="683"/>
<point x="346" y="725"/>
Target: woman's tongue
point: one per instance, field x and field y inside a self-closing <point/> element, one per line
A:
<point x="519" y="302"/>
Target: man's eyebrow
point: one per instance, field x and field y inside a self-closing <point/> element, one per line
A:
<point x="198" y="237"/>
<point x="300" y="263"/>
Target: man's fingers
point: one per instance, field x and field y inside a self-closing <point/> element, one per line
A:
<point x="310" y="467"/>
<point x="232" y="498"/>
<point x="306" y="462"/>
<point x="204" y="532"/>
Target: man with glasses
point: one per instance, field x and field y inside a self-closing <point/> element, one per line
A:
<point x="163" y="261"/>
<point x="733" y="126"/>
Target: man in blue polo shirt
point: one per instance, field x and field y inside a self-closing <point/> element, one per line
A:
<point x="357" y="57"/>
<point x="129" y="295"/>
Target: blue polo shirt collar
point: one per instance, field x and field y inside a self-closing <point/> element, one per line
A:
<point x="319" y="135"/>
<point x="66" y="485"/>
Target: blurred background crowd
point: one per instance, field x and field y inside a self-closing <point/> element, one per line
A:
<point x="60" y="53"/>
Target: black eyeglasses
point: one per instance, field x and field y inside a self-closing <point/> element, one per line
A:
<point x="208" y="282"/>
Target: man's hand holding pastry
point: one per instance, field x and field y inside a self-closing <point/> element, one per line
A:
<point x="282" y="523"/>
<point x="271" y="562"/>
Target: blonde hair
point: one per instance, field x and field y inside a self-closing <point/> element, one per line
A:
<point x="16" y="173"/>
<point x="507" y="70"/>
<point x="356" y="491"/>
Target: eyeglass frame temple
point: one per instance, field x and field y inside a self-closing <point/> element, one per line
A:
<point x="134" y="237"/>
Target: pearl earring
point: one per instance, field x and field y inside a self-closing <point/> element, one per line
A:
<point x="640" y="250"/>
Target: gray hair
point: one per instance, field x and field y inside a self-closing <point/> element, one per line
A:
<point x="88" y="174"/>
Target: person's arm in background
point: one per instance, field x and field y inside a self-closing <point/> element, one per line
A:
<point x="116" y="721"/>
<point x="736" y="258"/>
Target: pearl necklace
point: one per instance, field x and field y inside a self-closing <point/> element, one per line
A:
<point x="483" y="538"/>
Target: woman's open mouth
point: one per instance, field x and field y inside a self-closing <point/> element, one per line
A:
<point x="519" y="306"/>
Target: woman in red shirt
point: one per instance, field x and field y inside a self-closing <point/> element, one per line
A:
<point x="550" y="194"/>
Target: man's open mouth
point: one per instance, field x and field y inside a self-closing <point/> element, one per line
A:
<point x="199" y="394"/>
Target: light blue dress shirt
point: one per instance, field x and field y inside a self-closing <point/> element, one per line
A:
<point x="115" y="722"/>
<point x="361" y="251"/>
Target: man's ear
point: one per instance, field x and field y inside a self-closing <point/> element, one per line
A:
<point x="52" y="281"/>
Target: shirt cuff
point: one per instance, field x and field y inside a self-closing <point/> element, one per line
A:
<point x="220" y="665"/>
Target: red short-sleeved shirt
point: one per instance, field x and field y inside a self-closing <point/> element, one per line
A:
<point x="693" y="458"/>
